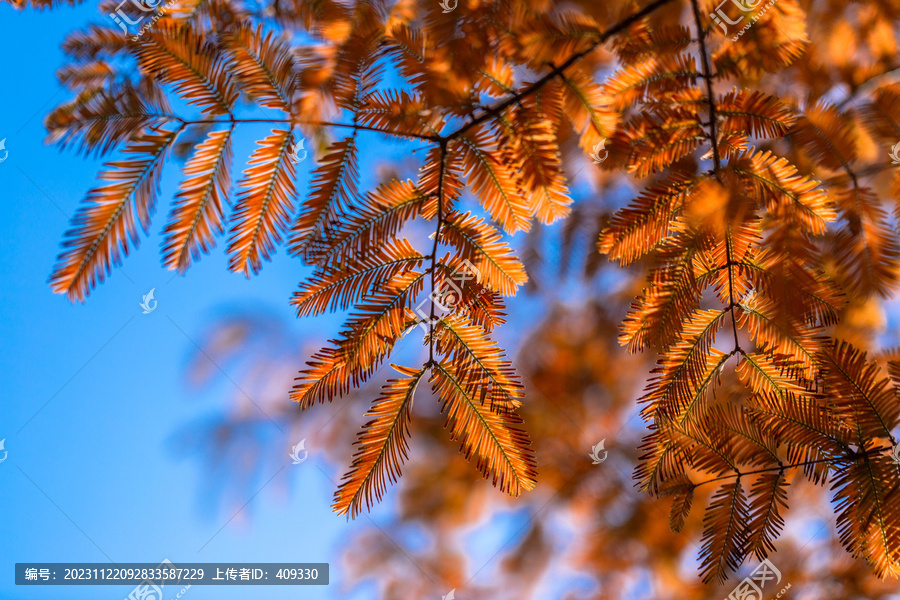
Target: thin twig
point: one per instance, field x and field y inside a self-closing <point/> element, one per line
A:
<point x="354" y="126"/>
<point x="434" y="249"/>
<point x="804" y="463"/>
<point x="717" y="159"/>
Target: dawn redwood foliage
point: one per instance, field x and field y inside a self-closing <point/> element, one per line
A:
<point x="757" y="221"/>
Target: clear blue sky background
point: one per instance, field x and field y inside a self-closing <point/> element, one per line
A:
<point x="94" y="395"/>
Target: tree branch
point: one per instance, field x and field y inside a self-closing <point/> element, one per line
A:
<point x="805" y="463"/>
<point x="493" y="111"/>
<point x="354" y="126"/>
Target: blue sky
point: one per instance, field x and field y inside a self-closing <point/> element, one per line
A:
<point x="95" y="394"/>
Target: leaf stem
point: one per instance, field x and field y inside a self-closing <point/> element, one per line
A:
<point x="853" y="456"/>
<point x="354" y="126"/>
<point x="434" y="249"/>
<point x="717" y="158"/>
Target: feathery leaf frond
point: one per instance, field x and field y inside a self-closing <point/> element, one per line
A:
<point x="264" y="206"/>
<point x="197" y="214"/>
<point x="500" y="447"/>
<point x="195" y="67"/>
<point x="382" y="445"/>
<point x="105" y="226"/>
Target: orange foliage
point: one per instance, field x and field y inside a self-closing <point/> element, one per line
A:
<point x="761" y="221"/>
